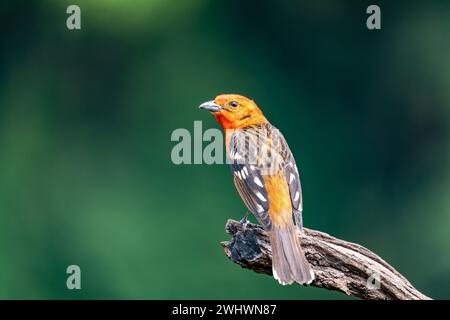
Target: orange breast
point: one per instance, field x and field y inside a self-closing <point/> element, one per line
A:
<point x="280" y="207"/>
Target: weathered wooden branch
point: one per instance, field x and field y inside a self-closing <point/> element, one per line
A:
<point x="339" y="265"/>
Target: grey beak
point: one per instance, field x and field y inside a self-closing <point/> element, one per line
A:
<point x="211" y="106"/>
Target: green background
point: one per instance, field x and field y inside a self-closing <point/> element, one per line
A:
<point x="86" y="118"/>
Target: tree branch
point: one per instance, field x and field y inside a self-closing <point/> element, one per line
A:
<point x="339" y="265"/>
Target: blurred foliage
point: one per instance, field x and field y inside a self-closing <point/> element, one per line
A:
<point x="86" y="118"/>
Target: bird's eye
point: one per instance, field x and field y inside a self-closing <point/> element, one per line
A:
<point x="234" y="104"/>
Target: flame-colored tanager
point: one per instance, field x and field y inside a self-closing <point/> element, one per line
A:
<point x="267" y="178"/>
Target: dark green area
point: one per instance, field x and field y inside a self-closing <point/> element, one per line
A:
<point x="86" y="117"/>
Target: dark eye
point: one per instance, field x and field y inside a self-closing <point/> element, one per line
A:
<point x="234" y="104"/>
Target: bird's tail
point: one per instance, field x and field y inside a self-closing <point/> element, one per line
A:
<point x="288" y="260"/>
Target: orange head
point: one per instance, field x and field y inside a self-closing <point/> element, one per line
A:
<point x="234" y="111"/>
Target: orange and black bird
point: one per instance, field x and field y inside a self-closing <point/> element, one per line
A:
<point x="267" y="178"/>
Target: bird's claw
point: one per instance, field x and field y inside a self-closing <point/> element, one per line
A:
<point x="244" y="221"/>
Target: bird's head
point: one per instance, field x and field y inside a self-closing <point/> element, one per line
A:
<point x="234" y="111"/>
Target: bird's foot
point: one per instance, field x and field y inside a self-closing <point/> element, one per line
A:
<point x="244" y="221"/>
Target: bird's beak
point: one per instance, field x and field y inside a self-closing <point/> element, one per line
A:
<point x="211" y="106"/>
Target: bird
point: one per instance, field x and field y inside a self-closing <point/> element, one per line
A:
<point x="267" y="179"/>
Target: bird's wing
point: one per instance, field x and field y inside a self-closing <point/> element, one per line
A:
<point x="295" y="190"/>
<point x="248" y="173"/>
<point x="258" y="152"/>
<point x="292" y="177"/>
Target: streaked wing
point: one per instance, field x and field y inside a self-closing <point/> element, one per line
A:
<point x="292" y="179"/>
<point x="254" y="153"/>
<point x="295" y="191"/>
<point x="258" y="207"/>
<point x="248" y="174"/>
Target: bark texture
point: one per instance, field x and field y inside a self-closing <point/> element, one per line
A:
<point x="338" y="265"/>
